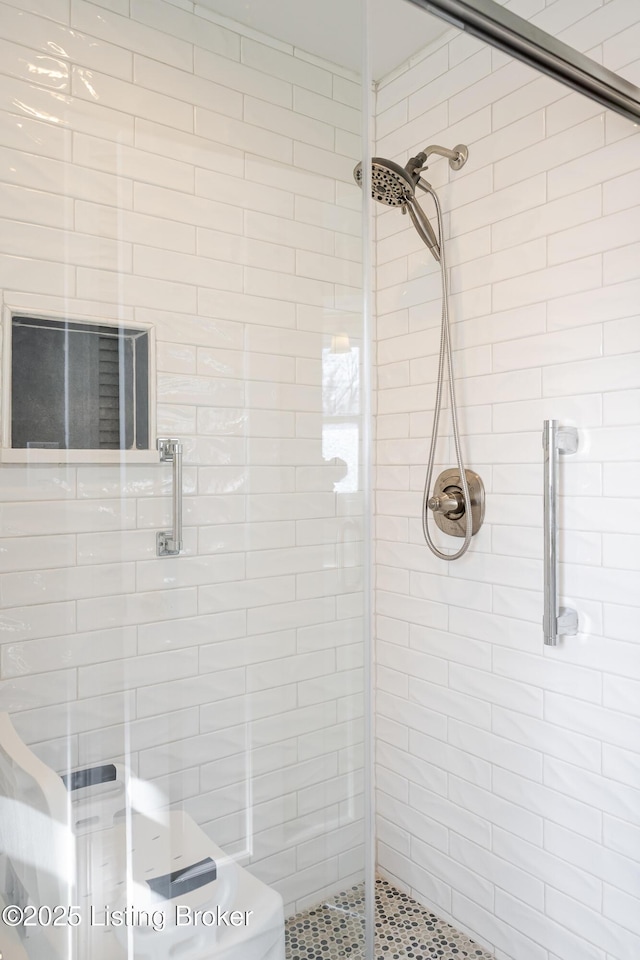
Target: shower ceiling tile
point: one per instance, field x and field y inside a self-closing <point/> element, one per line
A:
<point x="398" y="29"/>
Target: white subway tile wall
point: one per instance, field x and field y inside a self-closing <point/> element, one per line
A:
<point x="508" y="775"/>
<point x="163" y="168"/>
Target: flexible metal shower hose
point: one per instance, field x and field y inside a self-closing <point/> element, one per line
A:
<point x="445" y="356"/>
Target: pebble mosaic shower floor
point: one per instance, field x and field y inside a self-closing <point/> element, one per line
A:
<point x="404" y="930"/>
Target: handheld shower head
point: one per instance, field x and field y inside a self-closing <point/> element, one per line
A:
<point x="390" y="183"/>
<point x="394" y="186"/>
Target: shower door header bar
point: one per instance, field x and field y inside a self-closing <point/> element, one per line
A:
<point x="491" y="22"/>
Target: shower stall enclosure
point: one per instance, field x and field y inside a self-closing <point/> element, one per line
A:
<point x="319" y="526"/>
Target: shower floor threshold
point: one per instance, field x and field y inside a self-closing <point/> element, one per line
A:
<point x="405" y="930"/>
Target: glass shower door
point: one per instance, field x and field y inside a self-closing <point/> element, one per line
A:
<point x="181" y="716"/>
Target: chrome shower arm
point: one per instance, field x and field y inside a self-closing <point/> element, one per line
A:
<point x="456" y="157"/>
<point x="441" y="151"/>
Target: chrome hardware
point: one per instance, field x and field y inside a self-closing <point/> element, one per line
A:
<point x="448" y="503"/>
<point x="456" y="157"/>
<point x="490" y="21"/>
<point x="169" y="542"/>
<point x="557" y="621"/>
<point x="448" y="506"/>
<point x="462" y="155"/>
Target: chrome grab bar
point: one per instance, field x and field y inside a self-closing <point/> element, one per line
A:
<point x="169" y="542"/>
<point x="557" y="621"/>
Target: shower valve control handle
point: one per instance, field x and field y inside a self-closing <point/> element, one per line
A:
<point x="447" y="503"/>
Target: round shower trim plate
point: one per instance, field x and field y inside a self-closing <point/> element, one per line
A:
<point x="450" y="484"/>
<point x="459" y="161"/>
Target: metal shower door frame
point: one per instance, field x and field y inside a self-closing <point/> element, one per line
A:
<point x="493" y="23"/>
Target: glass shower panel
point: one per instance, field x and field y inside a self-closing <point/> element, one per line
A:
<point x="183" y="630"/>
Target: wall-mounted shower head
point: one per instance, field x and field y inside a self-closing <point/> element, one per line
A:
<point x="395" y="186"/>
<point x="390" y="183"/>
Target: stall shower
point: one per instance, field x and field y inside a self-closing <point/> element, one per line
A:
<point x="318" y="525"/>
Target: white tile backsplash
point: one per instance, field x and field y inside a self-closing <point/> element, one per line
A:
<point x="544" y="250"/>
